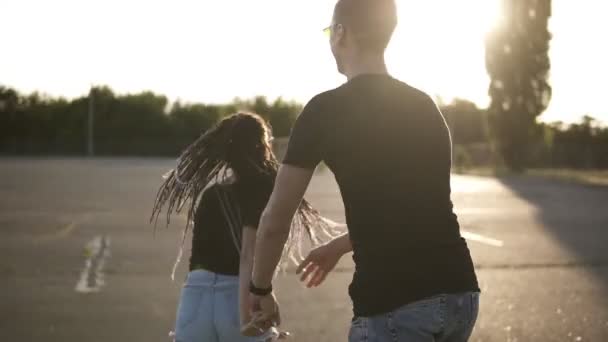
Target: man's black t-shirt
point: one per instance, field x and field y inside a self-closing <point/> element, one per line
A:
<point x="390" y="151"/>
<point x="213" y="243"/>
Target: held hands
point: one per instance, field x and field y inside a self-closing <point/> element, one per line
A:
<point x="319" y="262"/>
<point x="265" y="315"/>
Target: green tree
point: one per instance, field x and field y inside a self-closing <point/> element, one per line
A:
<point x="580" y="145"/>
<point x="280" y="114"/>
<point x="518" y="64"/>
<point x="189" y="121"/>
<point x="468" y="123"/>
<point x="130" y="124"/>
<point x="9" y="101"/>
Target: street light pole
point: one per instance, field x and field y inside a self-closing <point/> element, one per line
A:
<point x="90" y="117"/>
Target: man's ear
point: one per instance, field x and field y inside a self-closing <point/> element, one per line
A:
<point x="340" y="34"/>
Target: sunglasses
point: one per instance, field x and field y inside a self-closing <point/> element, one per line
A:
<point x="329" y="29"/>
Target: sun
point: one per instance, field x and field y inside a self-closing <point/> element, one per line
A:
<point x="438" y="46"/>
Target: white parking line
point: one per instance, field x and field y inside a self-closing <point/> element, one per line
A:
<point x="65" y="230"/>
<point x="480" y="238"/>
<point x="92" y="278"/>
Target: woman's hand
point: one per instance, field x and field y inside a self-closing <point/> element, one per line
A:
<point x="322" y="260"/>
<point x="264" y="311"/>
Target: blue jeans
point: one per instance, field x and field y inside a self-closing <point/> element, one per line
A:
<point x="208" y="309"/>
<point x="442" y="318"/>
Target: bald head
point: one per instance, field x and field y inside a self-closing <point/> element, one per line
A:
<point x="369" y="22"/>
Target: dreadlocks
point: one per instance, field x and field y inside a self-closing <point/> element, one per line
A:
<point x="238" y="144"/>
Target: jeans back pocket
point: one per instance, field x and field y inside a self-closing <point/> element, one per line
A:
<point x="358" y="330"/>
<point x="189" y="304"/>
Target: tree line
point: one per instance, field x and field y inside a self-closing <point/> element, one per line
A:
<point x="141" y="124"/>
<point x="582" y="144"/>
<point x="147" y="124"/>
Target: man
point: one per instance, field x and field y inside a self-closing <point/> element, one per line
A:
<point x="390" y="151"/>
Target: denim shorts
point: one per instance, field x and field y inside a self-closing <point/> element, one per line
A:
<point x="208" y="309"/>
<point x="442" y="318"/>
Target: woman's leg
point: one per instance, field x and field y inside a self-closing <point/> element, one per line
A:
<point x="194" y="321"/>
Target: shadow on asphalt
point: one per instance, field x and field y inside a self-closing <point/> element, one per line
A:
<point x="575" y="214"/>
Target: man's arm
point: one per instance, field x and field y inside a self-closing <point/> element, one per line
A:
<point x="303" y="154"/>
<point x="290" y="185"/>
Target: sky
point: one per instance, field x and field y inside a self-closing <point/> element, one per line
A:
<point x="212" y="51"/>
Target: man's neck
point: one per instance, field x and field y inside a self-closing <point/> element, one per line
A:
<point x="366" y="65"/>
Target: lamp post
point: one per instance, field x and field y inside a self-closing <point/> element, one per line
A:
<point x="90" y="119"/>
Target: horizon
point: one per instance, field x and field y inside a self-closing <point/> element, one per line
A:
<point x="281" y="52"/>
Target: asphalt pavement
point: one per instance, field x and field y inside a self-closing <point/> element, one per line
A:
<point x="79" y="260"/>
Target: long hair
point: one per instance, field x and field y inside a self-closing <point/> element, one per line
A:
<point x="239" y="143"/>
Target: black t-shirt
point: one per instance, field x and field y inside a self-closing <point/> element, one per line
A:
<point x="390" y="151"/>
<point x="213" y="243"/>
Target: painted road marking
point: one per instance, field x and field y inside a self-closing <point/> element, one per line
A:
<point x="480" y="238"/>
<point x="92" y="278"/>
<point x="64" y="231"/>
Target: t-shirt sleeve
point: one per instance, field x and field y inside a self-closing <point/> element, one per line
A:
<point x="306" y="139"/>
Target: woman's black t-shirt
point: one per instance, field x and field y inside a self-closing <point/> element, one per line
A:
<point x="213" y="244"/>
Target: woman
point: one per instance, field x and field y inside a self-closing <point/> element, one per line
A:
<point x="232" y="169"/>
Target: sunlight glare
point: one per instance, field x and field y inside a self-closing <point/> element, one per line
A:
<point x="439" y="45"/>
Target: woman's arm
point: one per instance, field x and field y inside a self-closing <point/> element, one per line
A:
<point x="323" y="259"/>
<point x="246" y="266"/>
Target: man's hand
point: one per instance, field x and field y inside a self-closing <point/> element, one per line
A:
<point x="319" y="262"/>
<point x="264" y="315"/>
